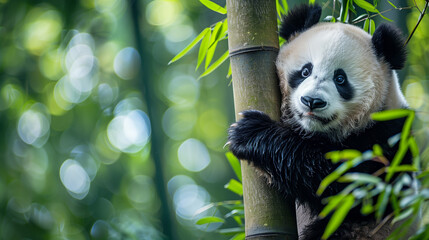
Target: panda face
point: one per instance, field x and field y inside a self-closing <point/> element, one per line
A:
<point x="331" y="79"/>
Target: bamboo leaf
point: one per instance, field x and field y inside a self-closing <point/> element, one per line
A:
<point x="377" y="150"/>
<point x="235" y="164"/>
<point x="390" y="114"/>
<point x="205" y="220"/>
<point x="229" y="72"/>
<point x="339" y="215"/>
<point x="337" y="173"/>
<point x="346" y="154"/>
<point x="213" y="6"/>
<point x="366" y="25"/>
<point x="360" y="17"/>
<point x="365" y="5"/>
<point x="203" y="48"/>
<point x="371" y="26"/>
<point x="280" y="11"/>
<point x="405" y="214"/>
<point x="402" y="168"/>
<point x="391" y="4"/>
<point x="285" y="5"/>
<point x="333" y="203"/>
<point x="359" y="177"/>
<point x="311" y="2"/>
<point x="235" y="186"/>
<point x="238" y="220"/>
<point x="213" y="44"/>
<point x="190" y="46"/>
<point x="239" y="236"/>
<point x="344" y="11"/>
<point x="215" y="64"/>
<point x="382" y="201"/>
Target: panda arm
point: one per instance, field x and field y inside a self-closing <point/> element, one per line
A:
<point x="296" y="165"/>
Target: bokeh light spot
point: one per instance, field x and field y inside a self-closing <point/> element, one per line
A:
<point x="415" y="95"/>
<point x="178" y="123"/>
<point x="33" y="127"/>
<point x="193" y="155"/>
<point x="127" y="63"/>
<point x="129" y="132"/>
<point x="74" y="178"/>
<point x="188" y="199"/>
<point x="162" y="12"/>
<point x="42" y="27"/>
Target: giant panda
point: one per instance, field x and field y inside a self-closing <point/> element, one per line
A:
<point x="333" y="76"/>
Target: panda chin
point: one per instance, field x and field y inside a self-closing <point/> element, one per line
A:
<point x="315" y="123"/>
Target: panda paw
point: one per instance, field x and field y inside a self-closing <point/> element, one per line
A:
<point x="244" y="135"/>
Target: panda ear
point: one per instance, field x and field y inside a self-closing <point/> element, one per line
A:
<point x="299" y="19"/>
<point x="389" y="44"/>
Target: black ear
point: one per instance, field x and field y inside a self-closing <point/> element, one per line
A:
<point x="389" y="44"/>
<point x="299" y="19"/>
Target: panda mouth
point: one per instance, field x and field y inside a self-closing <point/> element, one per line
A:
<point x="312" y="116"/>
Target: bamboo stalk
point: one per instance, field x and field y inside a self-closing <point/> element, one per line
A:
<point x="253" y="45"/>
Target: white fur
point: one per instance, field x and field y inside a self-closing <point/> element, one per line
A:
<point x="329" y="47"/>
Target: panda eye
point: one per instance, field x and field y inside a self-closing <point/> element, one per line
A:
<point x="340" y="79"/>
<point x="305" y="72"/>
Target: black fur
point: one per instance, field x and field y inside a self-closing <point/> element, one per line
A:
<point x="299" y="19"/>
<point x="389" y="43"/>
<point x="297" y="165"/>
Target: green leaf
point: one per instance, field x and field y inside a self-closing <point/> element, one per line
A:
<point x="339" y="215"/>
<point x="311" y="2"/>
<point x="213" y="44"/>
<point x="203" y="48"/>
<point x="205" y="220"/>
<point x="239" y="236"/>
<point x="237" y="219"/>
<point x="235" y="186"/>
<point x="392" y="4"/>
<point x="235" y="164"/>
<point x="223" y="30"/>
<point x="390" y="114"/>
<point x="229" y="72"/>
<point x="346" y="154"/>
<point x="333" y="203"/>
<point x="377" y="150"/>
<point x="285" y="5"/>
<point x="359" y="177"/>
<point x="213" y="6"/>
<point x="215" y="64"/>
<point x="337" y="173"/>
<point x="371" y="26"/>
<point x="280" y="11"/>
<point x="360" y="17"/>
<point x="382" y="201"/>
<point x="365" y="5"/>
<point x="344" y="11"/>
<point x="402" y="168"/>
<point x="366" y="25"/>
<point x="190" y="46"/>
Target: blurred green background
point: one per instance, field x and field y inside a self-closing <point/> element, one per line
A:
<point x="100" y="139"/>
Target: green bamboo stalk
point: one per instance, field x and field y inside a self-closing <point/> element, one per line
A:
<point x="253" y="45"/>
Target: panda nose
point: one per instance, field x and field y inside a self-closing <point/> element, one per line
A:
<point x="313" y="103"/>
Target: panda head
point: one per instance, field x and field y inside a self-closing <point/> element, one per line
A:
<point x="334" y="75"/>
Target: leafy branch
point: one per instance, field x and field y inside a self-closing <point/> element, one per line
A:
<point x="374" y="192"/>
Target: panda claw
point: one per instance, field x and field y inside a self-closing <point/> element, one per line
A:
<point x="226" y="144"/>
<point x="234" y="125"/>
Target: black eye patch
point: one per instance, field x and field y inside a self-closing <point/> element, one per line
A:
<point x="297" y="77"/>
<point x="344" y="88"/>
